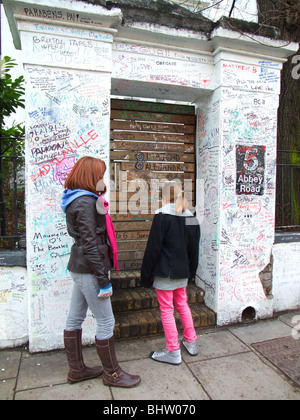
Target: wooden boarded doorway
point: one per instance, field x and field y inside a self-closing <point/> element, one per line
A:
<point x="150" y="142"/>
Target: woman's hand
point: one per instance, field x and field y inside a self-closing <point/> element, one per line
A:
<point x="106" y="291"/>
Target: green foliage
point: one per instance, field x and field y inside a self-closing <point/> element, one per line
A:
<point x="11" y="91"/>
<point x="11" y="155"/>
<point x="11" y="97"/>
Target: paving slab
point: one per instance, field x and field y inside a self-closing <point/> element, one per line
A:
<point x="161" y="382"/>
<point x="242" y="377"/>
<point x="41" y="370"/>
<point x="261" y="331"/>
<point x="9" y="368"/>
<point x="217" y="344"/>
<point x="127" y="350"/>
<point x="88" y="390"/>
<point x="7" y="389"/>
<point x="9" y="363"/>
<point x="291" y="319"/>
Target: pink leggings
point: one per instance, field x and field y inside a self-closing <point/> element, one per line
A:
<point x="165" y="299"/>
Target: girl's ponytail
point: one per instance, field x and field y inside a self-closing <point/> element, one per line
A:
<point x="181" y="204"/>
<point x="173" y="193"/>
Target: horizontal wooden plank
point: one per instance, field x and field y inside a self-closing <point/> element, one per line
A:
<point x="152" y="107"/>
<point x="140" y="201"/>
<point x="146" y="146"/>
<point x="148" y="176"/>
<point x="130" y="255"/>
<point x="146" y="196"/>
<point x="151" y="208"/>
<point x="140" y="226"/>
<point x="154" y="157"/>
<point x="130" y="265"/>
<point x="132" y="245"/>
<point x="157" y="137"/>
<point x="151" y="166"/>
<point x="138" y="235"/>
<point x="149" y="116"/>
<point x="152" y="127"/>
<point x="132" y="218"/>
<point x="128" y="184"/>
<point x="134" y="207"/>
<point x="129" y="195"/>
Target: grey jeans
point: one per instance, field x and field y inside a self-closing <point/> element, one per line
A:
<point x="85" y="294"/>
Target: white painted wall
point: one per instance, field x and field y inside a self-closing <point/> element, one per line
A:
<point x="13" y="306"/>
<point x="286" y="276"/>
<point x="68" y="113"/>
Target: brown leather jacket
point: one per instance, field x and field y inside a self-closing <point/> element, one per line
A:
<point x="89" y="254"/>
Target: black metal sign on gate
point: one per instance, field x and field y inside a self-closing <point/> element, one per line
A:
<point x="250" y="173"/>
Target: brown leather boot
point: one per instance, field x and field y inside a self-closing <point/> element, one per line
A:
<point x="113" y="375"/>
<point x="77" y="370"/>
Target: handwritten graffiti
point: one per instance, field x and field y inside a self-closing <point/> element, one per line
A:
<point x="249" y="290"/>
<point x="4" y="295"/>
<point x="70" y="148"/>
<point x="62" y="170"/>
<point x="172" y="67"/>
<point x="253" y="208"/>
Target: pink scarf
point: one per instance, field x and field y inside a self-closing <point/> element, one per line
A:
<point x="111" y="235"/>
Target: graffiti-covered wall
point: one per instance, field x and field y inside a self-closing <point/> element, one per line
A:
<point x="65" y="121"/>
<point x="286" y="284"/>
<point x="13" y="306"/>
<point x="209" y="135"/>
<point x="237" y="131"/>
<point x="67" y="116"/>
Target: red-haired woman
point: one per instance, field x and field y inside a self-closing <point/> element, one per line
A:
<point x="89" y="264"/>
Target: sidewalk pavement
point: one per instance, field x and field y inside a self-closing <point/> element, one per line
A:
<point x="227" y="367"/>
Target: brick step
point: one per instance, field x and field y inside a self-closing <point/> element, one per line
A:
<point x="126" y="279"/>
<point x="136" y="309"/>
<point x="147" y="323"/>
<point x="137" y="299"/>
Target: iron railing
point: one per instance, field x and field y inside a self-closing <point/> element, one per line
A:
<point x="288" y="191"/>
<point x="12" y="192"/>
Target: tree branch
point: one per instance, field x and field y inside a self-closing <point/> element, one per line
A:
<point x="232" y="8"/>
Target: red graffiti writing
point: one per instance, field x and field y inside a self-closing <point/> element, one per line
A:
<point x="70" y="148"/>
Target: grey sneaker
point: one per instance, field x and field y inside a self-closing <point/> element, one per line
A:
<point x="166" y="356"/>
<point x="192" y="347"/>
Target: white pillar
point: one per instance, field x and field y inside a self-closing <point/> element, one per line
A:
<point x="67" y="56"/>
<point x="237" y="133"/>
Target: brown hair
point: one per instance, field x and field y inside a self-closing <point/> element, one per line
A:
<point x="85" y="174"/>
<point x="173" y="193"/>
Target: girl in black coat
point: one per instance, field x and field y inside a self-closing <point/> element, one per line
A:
<point x="170" y="260"/>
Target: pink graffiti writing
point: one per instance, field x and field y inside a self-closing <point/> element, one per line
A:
<point x="70" y="148"/>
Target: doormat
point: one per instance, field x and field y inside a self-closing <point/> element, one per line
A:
<point x="284" y="353"/>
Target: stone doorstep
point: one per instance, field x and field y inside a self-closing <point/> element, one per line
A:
<point x="137" y="312"/>
<point x="137" y="299"/>
<point x="126" y="279"/>
<point x="148" y="322"/>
